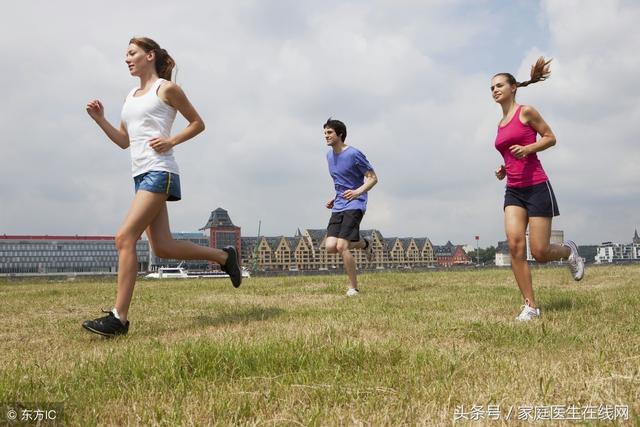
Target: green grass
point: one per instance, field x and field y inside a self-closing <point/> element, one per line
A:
<point x="295" y="351"/>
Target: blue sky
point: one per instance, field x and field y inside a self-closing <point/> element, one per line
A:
<point x="410" y="78"/>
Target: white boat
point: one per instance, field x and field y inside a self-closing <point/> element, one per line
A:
<point x="181" y="273"/>
<point x="169" y="273"/>
<point x="217" y="274"/>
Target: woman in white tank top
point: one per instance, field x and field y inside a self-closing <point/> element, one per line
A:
<point x="147" y="116"/>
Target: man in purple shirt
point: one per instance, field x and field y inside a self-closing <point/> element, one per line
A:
<point x="353" y="177"/>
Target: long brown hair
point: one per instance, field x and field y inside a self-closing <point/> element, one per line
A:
<point x="540" y="71"/>
<point x="164" y="62"/>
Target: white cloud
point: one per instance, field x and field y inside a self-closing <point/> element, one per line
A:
<point x="409" y="78"/>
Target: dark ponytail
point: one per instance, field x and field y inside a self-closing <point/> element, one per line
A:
<point x="164" y="62"/>
<point x="540" y="71"/>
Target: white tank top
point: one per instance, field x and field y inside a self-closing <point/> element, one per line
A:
<point x="146" y="117"/>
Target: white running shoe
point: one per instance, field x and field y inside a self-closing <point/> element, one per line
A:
<point x="576" y="263"/>
<point x="368" y="251"/>
<point x="528" y="313"/>
<point x="352" y="292"/>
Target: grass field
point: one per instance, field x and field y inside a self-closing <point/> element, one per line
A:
<point x="413" y="348"/>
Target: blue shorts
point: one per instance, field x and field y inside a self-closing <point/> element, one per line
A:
<point x="159" y="182"/>
<point x="538" y="200"/>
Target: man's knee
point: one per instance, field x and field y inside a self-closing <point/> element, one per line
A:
<point x="342" y="246"/>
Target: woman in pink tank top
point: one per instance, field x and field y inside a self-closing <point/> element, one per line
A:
<point x="529" y="200"/>
<point x="145" y="127"/>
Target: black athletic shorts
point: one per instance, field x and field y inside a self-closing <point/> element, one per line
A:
<point x="538" y="199"/>
<point x="345" y="225"/>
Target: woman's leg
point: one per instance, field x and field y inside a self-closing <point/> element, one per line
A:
<point x="164" y="246"/>
<point x="515" y="225"/>
<point x="539" y="241"/>
<point x="144" y="208"/>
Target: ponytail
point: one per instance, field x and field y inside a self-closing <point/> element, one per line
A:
<point x="164" y="63"/>
<point x="540" y="71"/>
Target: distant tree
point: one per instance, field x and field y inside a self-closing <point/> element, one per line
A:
<point x="487" y="255"/>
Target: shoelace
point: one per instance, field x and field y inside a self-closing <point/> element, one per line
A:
<point x="573" y="263"/>
<point x="104" y="318"/>
<point x="525" y="310"/>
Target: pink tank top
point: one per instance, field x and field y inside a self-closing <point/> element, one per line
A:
<point x="520" y="172"/>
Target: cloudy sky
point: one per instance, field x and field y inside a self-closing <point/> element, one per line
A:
<point x="410" y="78"/>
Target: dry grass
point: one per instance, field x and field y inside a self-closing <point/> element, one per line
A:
<point x="410" y="349"/>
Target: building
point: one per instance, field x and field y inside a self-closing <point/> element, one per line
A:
<point x="451" y="255"/>
<point x="222" y="231"/>
<point x="306" y="251"/>
<point x="503" y="257"/>
<point x="64" y="254"/>
<point x="609" y="252"/>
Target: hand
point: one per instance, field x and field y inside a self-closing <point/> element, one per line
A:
<point x="330" y="204"/>
<point x="160" y="144"/>
<point x="351" y="194"/>
<point x="501" y="172"/>
<point x="95" y="109"/>
<point x="518" y="151"/>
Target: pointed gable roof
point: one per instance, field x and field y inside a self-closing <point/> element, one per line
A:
<point x="248" y="246"/>
<point x="316" y="235"/>
<point x="389" y="243"/>
<point x="370" y="232"/>
<point x="273" y="242"/>
<point x="295" y="241"/>
<point x="406" y="242"/>
<point x="218" y="218"/>
<point x="422" y="242"/>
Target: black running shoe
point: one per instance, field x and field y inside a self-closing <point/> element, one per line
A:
<point x="107" y="326"/>
<point x="231" y="267"/>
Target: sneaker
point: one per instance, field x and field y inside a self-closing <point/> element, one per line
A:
<point x="107" y="326"/>
<point x="368" y="250"/>
<point x="576" y="263"/>
<point x="528" y="313"/>
<point x="352" y="292"/>
<point x="231" y="267"/>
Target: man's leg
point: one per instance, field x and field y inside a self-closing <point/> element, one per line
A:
<point x="343" y="247"/>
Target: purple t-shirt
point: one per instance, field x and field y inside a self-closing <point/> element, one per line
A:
<point x="347" y="170"/>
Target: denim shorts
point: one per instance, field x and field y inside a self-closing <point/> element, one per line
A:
<point x="159" y="182"/>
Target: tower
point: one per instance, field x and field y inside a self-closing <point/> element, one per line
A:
<point x="222" y="231"/>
